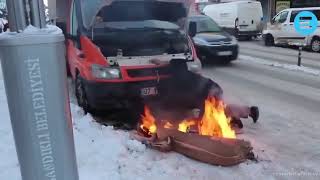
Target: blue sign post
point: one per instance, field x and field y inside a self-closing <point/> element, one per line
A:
<point x="305" y="23"/>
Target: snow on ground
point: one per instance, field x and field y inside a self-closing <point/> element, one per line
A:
<point x="290" y="67"/>
<point x="104" y="153"/>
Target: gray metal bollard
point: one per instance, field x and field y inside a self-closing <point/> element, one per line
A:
<point x="35" y="80"/>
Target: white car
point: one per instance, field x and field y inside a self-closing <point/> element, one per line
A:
<point x="281" y="30"/>
<point x="240" y="18"/>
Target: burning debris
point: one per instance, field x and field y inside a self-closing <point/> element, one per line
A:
<point x="214" y="122"/>
<point x="201" y="125"/>
<point x="209" y="138"/>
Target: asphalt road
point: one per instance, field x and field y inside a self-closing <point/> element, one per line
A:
<point x="279" y="54"/>
<point x="289" y="128"/>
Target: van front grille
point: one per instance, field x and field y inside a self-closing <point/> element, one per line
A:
<point x="135" y="73"/>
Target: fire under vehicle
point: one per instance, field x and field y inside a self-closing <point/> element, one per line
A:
<point x="111" y="45"/>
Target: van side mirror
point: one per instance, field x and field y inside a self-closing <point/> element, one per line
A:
<point x="192" y="29"/>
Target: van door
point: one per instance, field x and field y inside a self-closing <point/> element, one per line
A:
<point x="279" y="27"/>
<point x="250" y="16"/>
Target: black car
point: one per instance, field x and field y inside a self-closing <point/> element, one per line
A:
<point x="212" y="43"/>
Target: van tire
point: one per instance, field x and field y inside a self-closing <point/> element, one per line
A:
<point x="315" y="44"/>
<point x="269" y="40"/>
<point x="80" y="94"/>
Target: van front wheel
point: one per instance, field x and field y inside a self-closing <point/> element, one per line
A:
<point x="81" y="95"/>
<point x="315" y="44"/>
<point x="269" y="40"/>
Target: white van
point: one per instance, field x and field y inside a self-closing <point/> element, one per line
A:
<point x="240" y="18"/>
<point x="281" y="30"/>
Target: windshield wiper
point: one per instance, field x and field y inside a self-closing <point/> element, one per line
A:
<point x="153" y="29"/>
<point x="209" y="31"/>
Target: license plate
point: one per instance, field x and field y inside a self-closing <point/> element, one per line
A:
<point x="149" y="91"/>
<point x="225" y="53"/>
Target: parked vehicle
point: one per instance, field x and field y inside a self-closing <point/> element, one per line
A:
<point x="212" y="43"/>
<point x="240" y="18"/>
<point x="111" y="45"/>
<point x="281" y="31"/>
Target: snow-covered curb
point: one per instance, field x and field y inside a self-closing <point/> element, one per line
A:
<point x="31" y="30"/>
<point x="290" y="67"/>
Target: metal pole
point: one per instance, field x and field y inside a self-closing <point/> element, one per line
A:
<point x="34" y="72"/>
<point x="299" y="56"/>
<point x="37" y="13"/>
<point x="17" y="15"/>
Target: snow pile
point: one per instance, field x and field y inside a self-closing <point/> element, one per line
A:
<point x="31" y="30"/>
<point x="9" y="166"/>
<point x="104" y="153"/>
<point x="50" y="29"/>
<point x="290" y="67"/>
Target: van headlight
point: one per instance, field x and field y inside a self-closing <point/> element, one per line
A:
<point x="234" y="40"/>
<point x="102" y="72"/>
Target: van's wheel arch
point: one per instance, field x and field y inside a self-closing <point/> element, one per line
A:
<point x="269" y="40"/>
<point x="80" y="93"/>
<point x="315" y="44"/>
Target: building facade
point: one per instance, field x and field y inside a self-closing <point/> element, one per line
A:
<point x="278" y="5"/>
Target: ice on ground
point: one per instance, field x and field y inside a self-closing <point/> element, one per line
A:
<point x="290" y="67"/>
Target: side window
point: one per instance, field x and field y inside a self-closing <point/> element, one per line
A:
<point x="283" y="17"/>
<point x="293" y="15"/>
<point x="317" y="13"/>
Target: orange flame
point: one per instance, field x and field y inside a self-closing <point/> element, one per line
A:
<point x="213" y="123"/>
<point x="185" y="125"/>
<point x="148" y="122"/>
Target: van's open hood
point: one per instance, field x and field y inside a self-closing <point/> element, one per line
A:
<point x="174" y="11"/>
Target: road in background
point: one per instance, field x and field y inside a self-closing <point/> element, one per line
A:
<point x="278" y="54"/>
